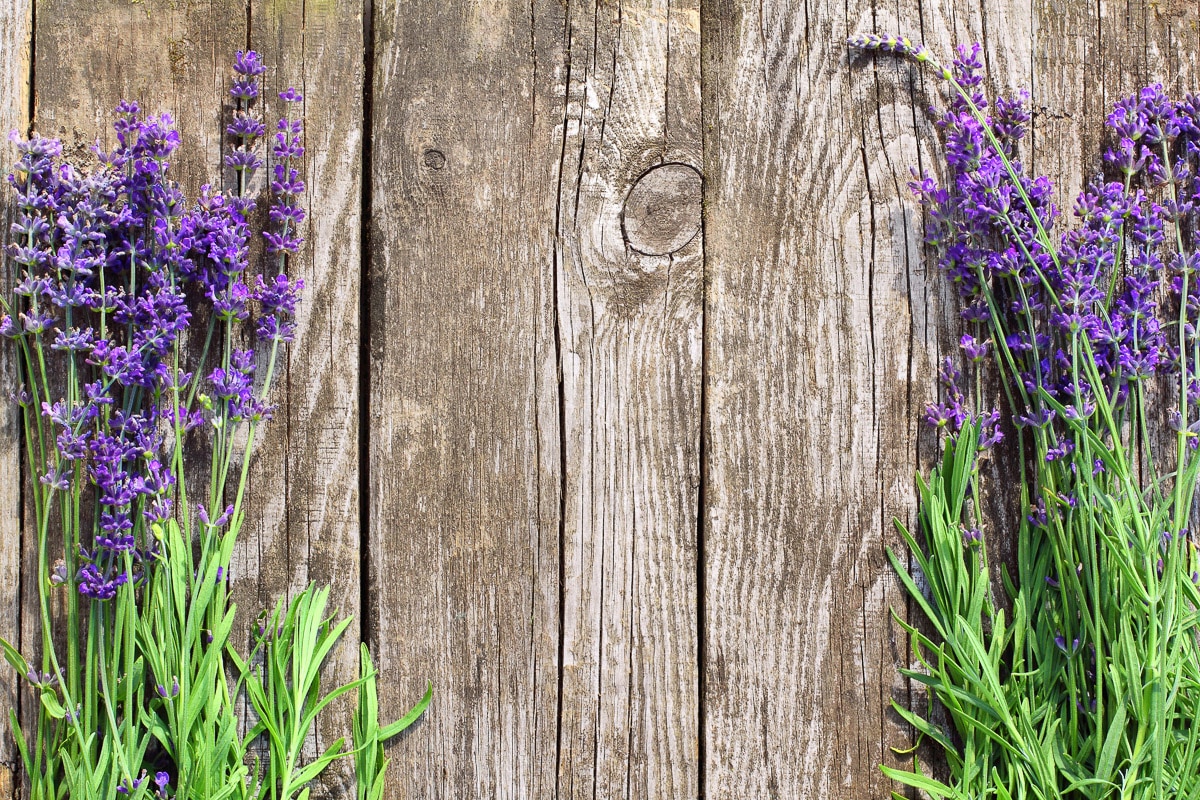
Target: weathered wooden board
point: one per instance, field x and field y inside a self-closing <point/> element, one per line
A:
<point x="465" y="448"/>
<point x="169" y="58"/>
<point x="305" y="480"/>
<point x="819" y="354"/>
<point x="16" y="19"/>
<point x="824" y="326"/>
<point x="629" y="307"/>
<point x="87" y="57"/>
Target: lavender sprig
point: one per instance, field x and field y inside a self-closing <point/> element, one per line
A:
<point x="115" y="273"/>
<point x="1091" y="334"/>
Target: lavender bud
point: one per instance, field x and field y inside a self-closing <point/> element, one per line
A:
<point x="21" y="397"/>
<point x="9" y="328"/>
<point x="900" y="45"/>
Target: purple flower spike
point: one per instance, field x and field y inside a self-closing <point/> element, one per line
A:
<point x="244" y="91"/>
<point x="245" y="127"/>
<point x="900" y="45"/>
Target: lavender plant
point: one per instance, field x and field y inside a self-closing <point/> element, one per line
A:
<point x="129" y="312"/>
<point x="1079" y="676"/>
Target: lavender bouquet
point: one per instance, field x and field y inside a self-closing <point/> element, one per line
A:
<point x="129" y="312"/>
<point x="1079" y="675"/>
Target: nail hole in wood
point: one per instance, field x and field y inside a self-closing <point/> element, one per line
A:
<point x="434" y="159"/>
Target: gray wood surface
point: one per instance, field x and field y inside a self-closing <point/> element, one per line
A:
<point x="629" y="271"/>
<point x="645" y="327"/>
<point x="94" y="55"/>
<point x="820" y="354"/>
<point x="465" y="469"/>
<point x="305" y="480"/>
<point x="302" y="523"/>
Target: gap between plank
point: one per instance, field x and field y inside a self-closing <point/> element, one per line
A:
<point x="366" y="626"/>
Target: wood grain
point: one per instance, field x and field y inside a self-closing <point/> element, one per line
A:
<point x="16" y="19"/>
<point x="168" y="57"/>
<point x="823" y="329"/>
<point x="302" y="523"/>
<point x="88" y="56"/>
<point x="629" y="476"/>
<point x="630" y="272"/>
<point x="464" y="442"/>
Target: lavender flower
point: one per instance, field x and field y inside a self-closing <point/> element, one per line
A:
<point x="126" y="787"/>
<point x="972" y="348"/>
<point x="899" y="45"/>
<point x="130" y="317"/>
<point x="107" y="262"/>
<point x="161" y="780"/>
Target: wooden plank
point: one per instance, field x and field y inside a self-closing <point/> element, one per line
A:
<point x="824" y="330"/>
<point x="630" y="272"/>
<point x="305" y="478"/>
<point x="1137" y="44"/>
<point x="169" y="58"/>
<point x="16" y="20"/>
<point x="464" y="439"/>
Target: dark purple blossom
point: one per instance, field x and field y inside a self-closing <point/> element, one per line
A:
<point x="127" y="787"/>
<point x="278" y="300"/>
<point x="952" y="412"/>
<point x="972" y="348"/>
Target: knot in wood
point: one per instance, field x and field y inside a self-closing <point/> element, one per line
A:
<point x="662" y="212"/>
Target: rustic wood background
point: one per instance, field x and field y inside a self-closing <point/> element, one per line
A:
<point x="608" y="378"/>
